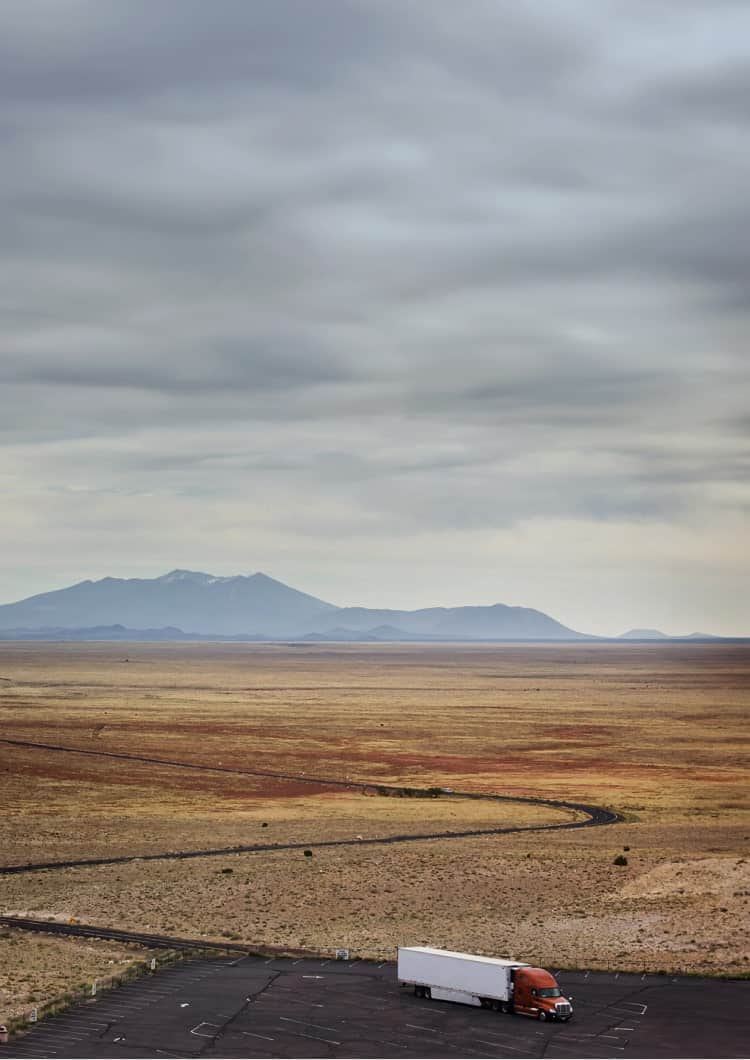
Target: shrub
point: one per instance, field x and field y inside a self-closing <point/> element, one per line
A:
<point x="620" y="860"/>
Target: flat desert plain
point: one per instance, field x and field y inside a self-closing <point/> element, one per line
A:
<point x="656" y="732"/>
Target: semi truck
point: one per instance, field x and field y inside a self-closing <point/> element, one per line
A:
<point x="489" y="982"/>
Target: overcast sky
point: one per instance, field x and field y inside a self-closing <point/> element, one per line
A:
<point x="401" y="302"/>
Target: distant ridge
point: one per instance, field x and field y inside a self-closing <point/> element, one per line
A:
<point x="250" y="607"/>
<point x="643" y="634"/>
<point x="655" y="634"/>
<point x="115" y="632"/>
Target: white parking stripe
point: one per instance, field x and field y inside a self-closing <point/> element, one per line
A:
<point x="497" y="1045"/>
<point x="85" y="1020"/>
<point x="315" y="1038"/>
<point x="636" y="1004"/>
<point x="204" y="1023"/>
<point x="306" y="1023"/>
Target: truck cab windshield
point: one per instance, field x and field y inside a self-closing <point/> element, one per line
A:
<point x="550" y="991"/>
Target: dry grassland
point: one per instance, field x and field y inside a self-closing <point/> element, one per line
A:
<point x="37" y="968"/>
<point x="657" y="732"/>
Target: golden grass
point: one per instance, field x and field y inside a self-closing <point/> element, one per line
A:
<point x="37" y="968"/>
<point x="658" y="732"/>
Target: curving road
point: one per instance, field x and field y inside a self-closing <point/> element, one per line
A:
<point x="595" y="816"/>
<point x="140" y="938"/>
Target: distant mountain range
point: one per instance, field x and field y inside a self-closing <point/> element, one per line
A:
<point x="656" y="634"/>
<point x="188" y="604"/>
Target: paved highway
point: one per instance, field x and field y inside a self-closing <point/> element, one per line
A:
<point x="594" y="816"/>
<point x="270" y="1007"/>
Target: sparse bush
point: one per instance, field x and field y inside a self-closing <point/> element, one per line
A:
<point x="620" y="860"/>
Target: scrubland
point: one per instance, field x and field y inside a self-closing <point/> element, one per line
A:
<point x="656" y="732"/>
<point x="37" y="968"/>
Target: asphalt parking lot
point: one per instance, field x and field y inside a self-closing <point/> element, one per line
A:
<point x="256" y="1007"/>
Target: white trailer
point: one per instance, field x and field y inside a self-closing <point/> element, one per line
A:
<point x="451" y="976"/>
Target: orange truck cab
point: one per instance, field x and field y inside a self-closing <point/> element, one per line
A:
<point x="536" y="993"/>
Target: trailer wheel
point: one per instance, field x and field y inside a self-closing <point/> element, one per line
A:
<point x="419" y="991"/>
<point x="427" y="993"/>
<point x="495" y="1006"/>
<point x="506" y="1007"/>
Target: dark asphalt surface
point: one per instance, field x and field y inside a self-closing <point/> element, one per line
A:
<point x="256" y="1007"/>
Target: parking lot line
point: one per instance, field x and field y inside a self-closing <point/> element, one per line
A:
<point x="499" y="1045"/>
<point x="34" y="1052"/>
<point x="88" y="1020"/>
<point x="204" y="1023"/>
<point x="315" y="1038"/>
<point x="21" y="1051"/>
<point x="306" y="1023"/>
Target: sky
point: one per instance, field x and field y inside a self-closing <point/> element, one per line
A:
<point x="401" y="303"/>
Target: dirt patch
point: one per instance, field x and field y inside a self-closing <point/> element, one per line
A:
<point x="718" y="877"/>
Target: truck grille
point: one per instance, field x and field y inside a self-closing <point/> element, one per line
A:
<point x="564" y="1009"/>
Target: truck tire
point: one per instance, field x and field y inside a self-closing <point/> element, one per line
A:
<point x="427" y="993"/>
<point x="506" y="1007"/>
<point x="541" y="1015"/>
<point x="419" y="991"/>
<point x="496" y="1006"/>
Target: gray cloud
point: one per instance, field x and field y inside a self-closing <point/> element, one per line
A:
<point x="419" y="273"/>
<point x="257" y="364"/>
<point x="92" y="51"/>
<point x="718" y="95"/>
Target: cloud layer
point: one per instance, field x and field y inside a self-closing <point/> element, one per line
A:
<point x="405" y="304"/>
